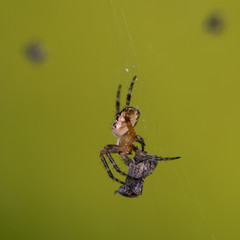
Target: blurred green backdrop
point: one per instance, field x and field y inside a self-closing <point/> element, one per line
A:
<point x="58" y="104"/>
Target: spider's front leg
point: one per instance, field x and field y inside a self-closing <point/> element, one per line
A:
<point x="163" y="158"/>
<point x="140" y="140"/>
<point x="106" y="151"/>
<point x="132" y="135"/>
<point x="126" y="160"/>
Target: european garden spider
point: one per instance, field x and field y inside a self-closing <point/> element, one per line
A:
<point x="123" y="127"/>
<point x="142" y="164"/>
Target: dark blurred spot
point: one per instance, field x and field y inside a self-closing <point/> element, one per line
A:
<point x="214" y="23"/>
<point x="35" y="52"/>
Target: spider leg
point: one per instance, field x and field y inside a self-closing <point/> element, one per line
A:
<point x="142" y="156"/>
<point x="114" y="164"/>
<point x="107" y="150"/>
<point x="129" y="125"/>
<point x="140" y="140"/>
<point x="166" y="158"/>
<point x="118" y="99"/>
<point x="109" y="171"/>
<point x="130" y="92"/>
<point x="132" y="133"/>
<point x="156" y="158"/>
<point x="126" y="160"/>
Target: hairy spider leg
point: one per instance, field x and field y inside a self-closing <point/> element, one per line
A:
<point x="164" y="159"/>
<point x="126" y="160"/>
<point x="129" y="125"/>
<point x="132" y="132"/>
<point x="140" y="140"/>
<point x="114" y="164"/>
<point x="128" y="139"/>
<point x="107" y="150"/>
<point x="130" y="92"/>
<point x="109" y="171"/>
<point x="118" y="99"/>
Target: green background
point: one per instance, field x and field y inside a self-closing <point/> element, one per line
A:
<point x="56" y="116"/>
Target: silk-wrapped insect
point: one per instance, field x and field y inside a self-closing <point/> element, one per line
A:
<point x="141" y="166"/>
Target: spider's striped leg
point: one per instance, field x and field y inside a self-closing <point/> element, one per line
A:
<point x="129" y="125"/>
<point x="114" y="164"/>
<point x="140" y="140"/>
<point x="166" y="158"/>
<point x="130" y="92"/>
<point x="113" y="149"/>
<point x="107" y="150"/>
<point x="108" y="169"/>
<point x="118" y="99"/>
<point x="126" y="160"/>
<point x="162" y="158"/>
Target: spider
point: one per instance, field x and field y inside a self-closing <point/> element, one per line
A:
<point x="141" y="166"/>
<point x="123" y="127"/>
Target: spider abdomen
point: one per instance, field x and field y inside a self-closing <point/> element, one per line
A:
<point x="120" y="126"/>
